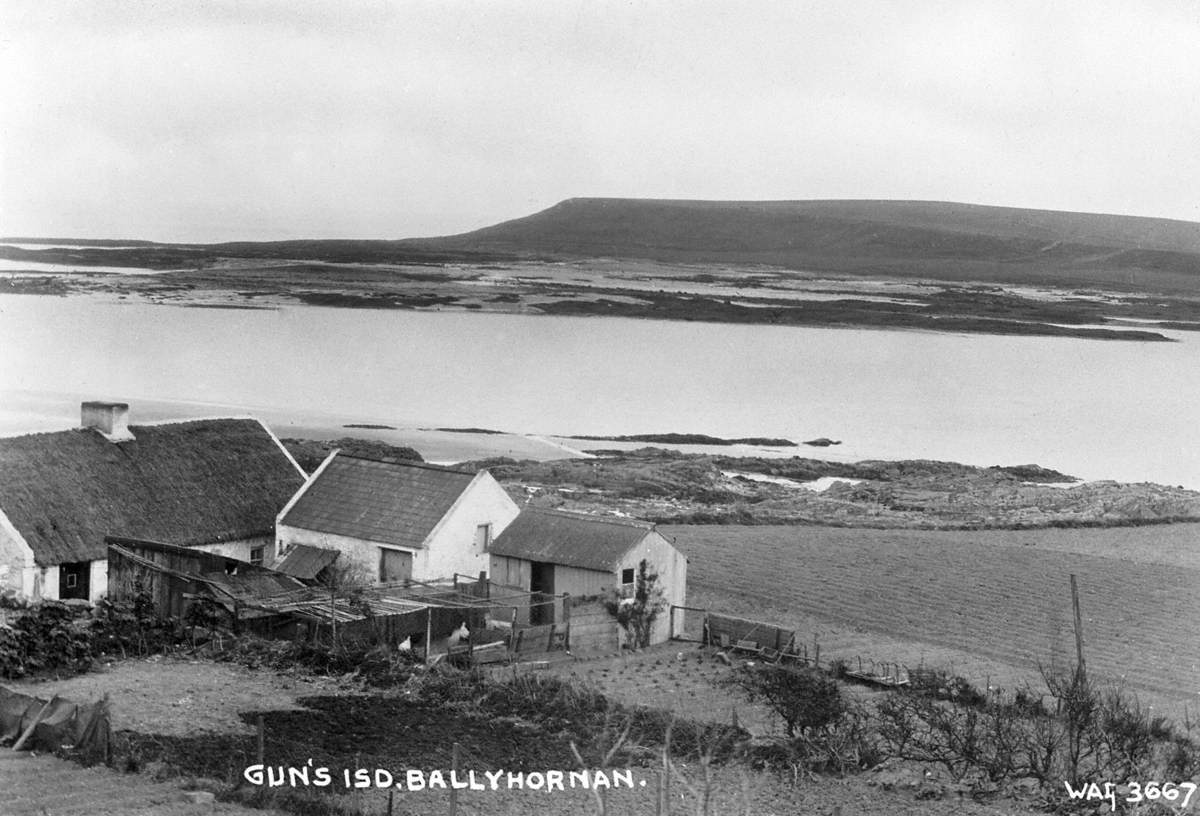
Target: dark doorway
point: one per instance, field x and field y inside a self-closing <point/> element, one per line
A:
<point x="541" y="584"/>
<point x="394" y="565"/>
<point x="73" y="580"/>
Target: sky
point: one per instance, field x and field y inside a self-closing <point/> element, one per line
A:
<point x="213" y="121"/>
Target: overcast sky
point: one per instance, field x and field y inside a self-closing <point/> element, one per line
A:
<point x="217" y="121"/>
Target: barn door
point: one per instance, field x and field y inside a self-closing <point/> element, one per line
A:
<point x="541" y="587"/>
<point x="394" y="565"/>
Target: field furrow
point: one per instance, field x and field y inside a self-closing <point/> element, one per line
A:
<point x="1004" y="605"/>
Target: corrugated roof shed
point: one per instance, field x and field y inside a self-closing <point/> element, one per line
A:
<point x="570" y="539"/>
<point x="185" y="482"/>
<point x="389" y="501"/>
<point x="305" y="562"/>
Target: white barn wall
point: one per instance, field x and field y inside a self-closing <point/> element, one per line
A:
<point x="355" y="551"/>
<point x="240" y="548"/>
<point x="671" y="566"/>
<point x="47" y="581"/>
<point x="451" y="545"/>
<point x="98" y="579"/>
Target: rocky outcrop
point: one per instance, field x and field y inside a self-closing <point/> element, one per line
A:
<point x="681" y="489"/>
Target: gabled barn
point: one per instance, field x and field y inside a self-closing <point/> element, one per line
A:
<point x="394" y="520"/>
<point x="551" y="552"/>
<point x="213" y="484"/>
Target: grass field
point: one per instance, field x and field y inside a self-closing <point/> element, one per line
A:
<point x="992" y="604"/>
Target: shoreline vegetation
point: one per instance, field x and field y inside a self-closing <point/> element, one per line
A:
<point x="667" y="486"/>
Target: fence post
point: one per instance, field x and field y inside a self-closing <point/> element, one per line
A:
<point x="428" y="632"/>
<point x="567" y="621"/>
<point x="671" y="623"/>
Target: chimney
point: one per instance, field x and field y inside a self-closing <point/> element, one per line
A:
<point x="111" y="419"/>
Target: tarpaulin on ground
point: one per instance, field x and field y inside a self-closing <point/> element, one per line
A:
<point x="13" y="708"/>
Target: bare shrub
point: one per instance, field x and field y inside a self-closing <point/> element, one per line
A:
<point x="806" y="699"/>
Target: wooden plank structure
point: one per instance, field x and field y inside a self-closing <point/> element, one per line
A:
<point x="748" y="637"/>
<point x="889" y="675"/>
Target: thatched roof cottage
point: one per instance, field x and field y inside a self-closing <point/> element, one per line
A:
<point x="213" y="484"/>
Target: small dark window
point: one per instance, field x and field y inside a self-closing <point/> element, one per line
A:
<point x="256" y="555"/>
<point x="627" y="576"/>
<point x="72" y="580"/>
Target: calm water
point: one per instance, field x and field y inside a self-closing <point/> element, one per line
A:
<point x="1092" y="408"/>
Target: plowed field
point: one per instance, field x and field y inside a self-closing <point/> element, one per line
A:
<point x="997" y="603"/>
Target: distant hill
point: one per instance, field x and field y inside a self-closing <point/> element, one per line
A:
<point x="909" y="238"/>
<point x="922" y="239"/>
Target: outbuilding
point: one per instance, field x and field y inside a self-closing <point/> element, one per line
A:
<point x="555" y="552"/>
<point x="393" y="520"/>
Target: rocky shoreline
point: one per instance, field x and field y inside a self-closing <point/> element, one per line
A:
<point x="749" y="294"/>
<point x="673" y="488"/>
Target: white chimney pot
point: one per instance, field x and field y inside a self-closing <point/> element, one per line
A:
<point x="111" y="419"/>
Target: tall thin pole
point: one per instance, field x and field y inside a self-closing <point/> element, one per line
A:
<point x="455" y="761"/>
<point x="1079" y="664"/>
<point x="428" y="631"/>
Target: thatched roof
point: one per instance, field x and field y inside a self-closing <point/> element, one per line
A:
<point x="185" y="483"/>
<point x="571" y="539"/>
<point x="389" y="501"/>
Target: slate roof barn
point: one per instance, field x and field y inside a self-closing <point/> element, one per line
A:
<point x="195" y="483"/>
<point x="386" y="500"/>
<point x="551" y="552"/>
<point x="394" y="520"/>
<point x="571" y="539"/>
